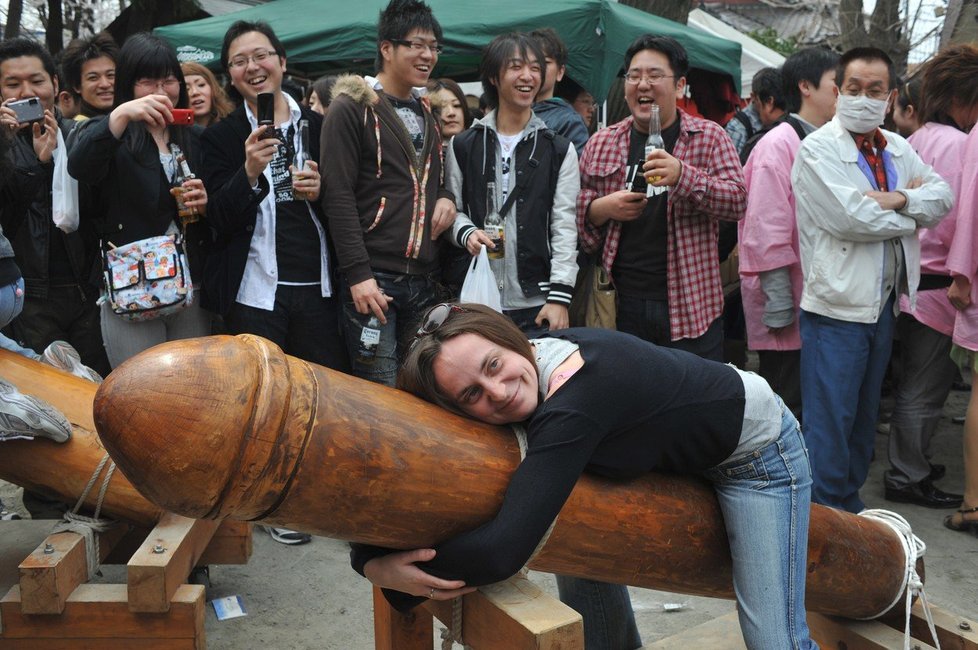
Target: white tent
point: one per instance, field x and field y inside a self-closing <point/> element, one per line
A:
<point x="754" y="55"/>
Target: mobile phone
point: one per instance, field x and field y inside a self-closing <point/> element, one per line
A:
<point x="28" y="110"/>
<point x="639" y="184"/>
<point x="266" y="113"/>
<point x="182" y="116"/>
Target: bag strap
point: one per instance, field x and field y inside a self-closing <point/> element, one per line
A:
<point x="522" y="182"/>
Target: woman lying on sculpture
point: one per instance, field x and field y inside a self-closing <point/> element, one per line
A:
<point x="607" y="402"/>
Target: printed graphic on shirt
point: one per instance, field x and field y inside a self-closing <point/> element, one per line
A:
<point x="413" y="118"/>
<point x="507" y="143"/>
<point x="284" y="155"/>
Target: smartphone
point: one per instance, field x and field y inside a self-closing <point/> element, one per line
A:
<point x="639" y="184"/>
<point x="266" y="113"/>
<point x="28" y="110"/>
<point x="182" y="116"/>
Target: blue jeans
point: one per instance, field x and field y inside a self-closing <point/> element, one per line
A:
<point x="412" y="296"/>
<point x="609" y="622"/>
<point x="11" y="304"/>
<point x="842" y="369"/>
<point x="301" y="322"/>
<point x="649" y="320"/>
<point x="765" y="497"/>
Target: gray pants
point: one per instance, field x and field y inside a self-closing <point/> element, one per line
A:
<point x="924" y="382"/>
<point x="124" y="339"/>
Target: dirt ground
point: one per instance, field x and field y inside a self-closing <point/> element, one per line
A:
<point x="307" y="597"/>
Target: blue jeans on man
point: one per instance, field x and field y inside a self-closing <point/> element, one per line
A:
<point x="412" y="296"/>
<point x="842" y="369"/>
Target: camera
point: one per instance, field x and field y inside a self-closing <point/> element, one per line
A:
<point x="266" y="114"/>
<point x="28" y="110"/>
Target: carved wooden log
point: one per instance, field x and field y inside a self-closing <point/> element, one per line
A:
<point x="62" y="470"/>
<point x="232" y="427"/>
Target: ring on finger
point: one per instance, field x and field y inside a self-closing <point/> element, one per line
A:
<point x="431" y="594"/>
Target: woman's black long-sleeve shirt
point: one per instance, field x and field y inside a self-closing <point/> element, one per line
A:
<point x="631" y="409"/>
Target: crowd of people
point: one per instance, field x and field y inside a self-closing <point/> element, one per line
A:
<point x="339" y="223"/>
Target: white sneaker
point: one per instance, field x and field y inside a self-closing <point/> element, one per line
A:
<point x="62" y="355"/>
<point x="25" y="416"/>
<point x="288" y="536"/>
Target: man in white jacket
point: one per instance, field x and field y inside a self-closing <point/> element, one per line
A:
<point x="862" y="193"/>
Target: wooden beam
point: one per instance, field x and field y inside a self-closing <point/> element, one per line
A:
<point x="396" y="631"/>
<point x="515" y="613"/>
<point x="101" y="612"/>
<point x="57" y="566"/>
<point x="165" y="559"/>
<point x="833" y="632"/>
<point x="954" y="632"/>
<point x="231" y="544"/>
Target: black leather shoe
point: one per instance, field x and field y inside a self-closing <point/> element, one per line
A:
<point x="924" y="494"/>
<point x="937" y="472"/>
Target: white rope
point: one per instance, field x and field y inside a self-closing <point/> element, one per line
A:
<point x="87" y="527"/>
<point x="913" y="548"/>
<point x="453" y="635"/>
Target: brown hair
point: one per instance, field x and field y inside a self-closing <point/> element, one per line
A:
<point x="949" y="79"/>
<point x="417" y="373"/>
<point x="434" y="85"/>
<point x="221" y="106"/>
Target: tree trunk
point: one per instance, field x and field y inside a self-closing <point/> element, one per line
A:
<point x="887" y="30"/>
<point x="15" y="9"/>
<point x="54" y="34"/>
<point x="675" y="10"/>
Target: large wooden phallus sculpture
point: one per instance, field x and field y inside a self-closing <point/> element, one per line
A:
<point x="232" y="427"/>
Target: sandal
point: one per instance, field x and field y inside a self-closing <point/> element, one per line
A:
<point x="965" y="525"/>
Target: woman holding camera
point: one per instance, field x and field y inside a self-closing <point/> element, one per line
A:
<point x="126" y="165"/>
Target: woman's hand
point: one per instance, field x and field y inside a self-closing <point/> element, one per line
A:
<point x="194" y="195"/>
<point x="258" y="153"/>
<point x="398" y="571"/>
<point x="153" y="110"/>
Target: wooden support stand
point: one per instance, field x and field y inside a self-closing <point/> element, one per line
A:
<point x="54" y="607"/>
<point x="954" y="632"/>
<point x="515" y="614"/>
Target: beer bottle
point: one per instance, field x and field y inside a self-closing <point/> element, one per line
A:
<point x="494" y="226"/>
<point x="653" y="142"/>
<point x="186" y="214"/>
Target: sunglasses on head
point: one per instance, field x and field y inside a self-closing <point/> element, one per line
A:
<point x="435" y="318"/>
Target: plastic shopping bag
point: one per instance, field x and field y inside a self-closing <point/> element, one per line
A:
<point x="64" y="191"/>
<point x="480" y="283"/>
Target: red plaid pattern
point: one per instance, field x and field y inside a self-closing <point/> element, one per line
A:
<point x="711" y="187"/>
<point x="874" y="156"/>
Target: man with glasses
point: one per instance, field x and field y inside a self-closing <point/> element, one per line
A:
<point x="861" y="194"/>
<point x="270" y="272"/>
<point x="661" y="252"/>
<point x="384" y="197"/>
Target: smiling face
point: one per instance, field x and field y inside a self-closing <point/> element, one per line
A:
<point x="24" y="76"/>
<point x="407" y="66"/>
<point x="518" y="82"/>
<point x="255" y="77"/>
<point x="486" y="381"/>
<point x="664" y="92"/>
<point x="450" y="114"/>
<point x="199" y="92"/>
<point x="98" y="83"/>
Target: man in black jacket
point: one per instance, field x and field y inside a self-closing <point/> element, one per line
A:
<point x="270" y="274"/>
<point x="59" y="269"/>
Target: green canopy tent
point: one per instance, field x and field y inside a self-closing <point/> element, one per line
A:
<point x="324" y="37"/>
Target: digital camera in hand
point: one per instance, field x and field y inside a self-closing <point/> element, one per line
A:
<point x="28" y="110"/>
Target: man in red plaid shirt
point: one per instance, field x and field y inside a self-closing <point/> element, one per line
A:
<point x="661" y="252"/>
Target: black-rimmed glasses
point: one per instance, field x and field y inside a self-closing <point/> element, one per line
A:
<point x="419" y="46"/>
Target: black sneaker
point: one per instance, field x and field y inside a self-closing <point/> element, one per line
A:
<point x="7" y="515"/>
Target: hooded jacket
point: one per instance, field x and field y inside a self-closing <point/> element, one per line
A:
<point x="379" y="194"/>
<point x="545" y="174"/>
<point x="560" y="116"/>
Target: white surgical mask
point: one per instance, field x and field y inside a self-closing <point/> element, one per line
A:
<point x="860" y="114"/>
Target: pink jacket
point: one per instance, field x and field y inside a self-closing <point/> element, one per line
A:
<point x="962" y="259"/>
<point x="768" y="235"/>
<point x="941" y="147"/>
